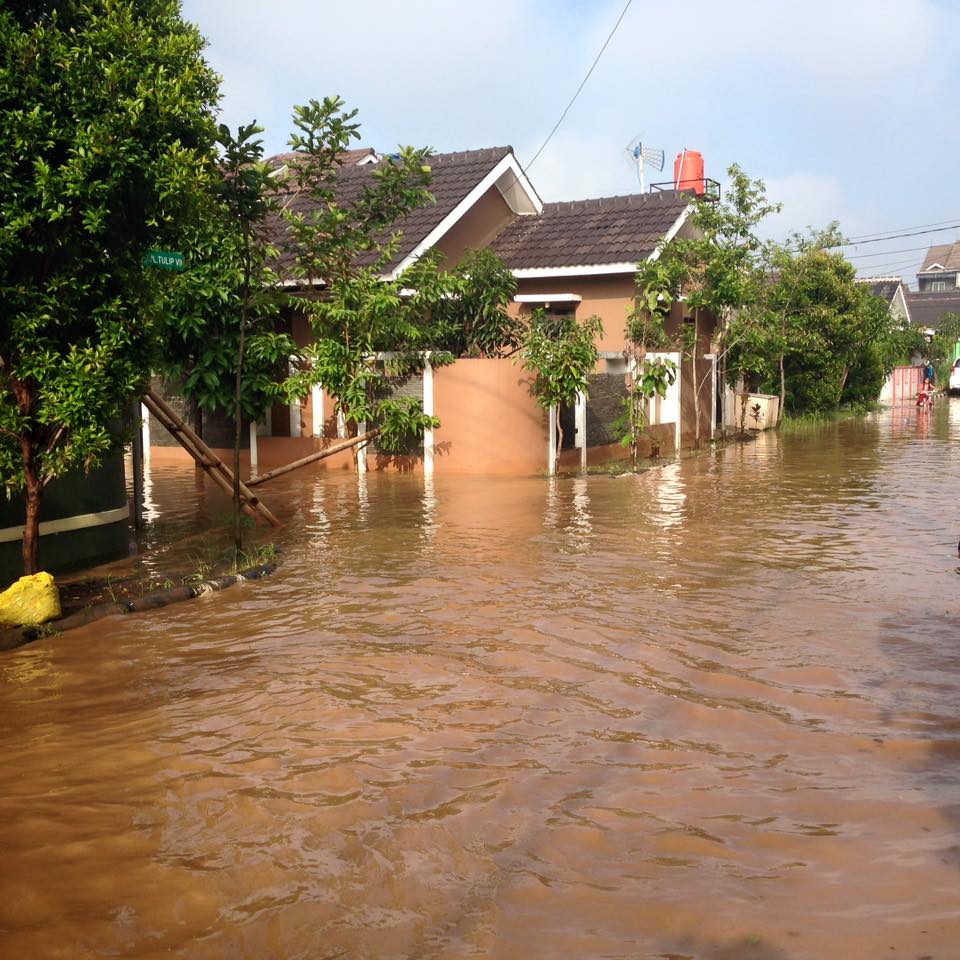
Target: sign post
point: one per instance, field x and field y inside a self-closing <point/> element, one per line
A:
<point x="164" y="260"/>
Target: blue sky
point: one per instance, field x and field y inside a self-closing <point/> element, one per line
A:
<point x="848" y="109"/>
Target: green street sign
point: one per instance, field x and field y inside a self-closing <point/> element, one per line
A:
<point x="164" y="259"/>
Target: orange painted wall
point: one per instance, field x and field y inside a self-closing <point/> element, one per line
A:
<point x="490" y="422"/>
<point x="478" y="227"/>
<point x="610" y="298"/>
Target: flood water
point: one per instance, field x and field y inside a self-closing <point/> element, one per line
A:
<point x="709" y="711"/>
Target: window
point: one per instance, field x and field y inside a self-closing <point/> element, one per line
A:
<point x="938" y="285"/>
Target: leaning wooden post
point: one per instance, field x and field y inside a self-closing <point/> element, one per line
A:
<point x="208" y="461"/>
<point x="312" y="458"/>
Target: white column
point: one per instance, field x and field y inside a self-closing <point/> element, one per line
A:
<point x="296" y="427"/>
<point x="316" y="405"/>
<point x="254" y="450"/>
<point x="428" y="410"/>
<point x="362" y="448"/>
<point x="341" y="425"/>
<point x="580" y="428"/>
<point x="145" y="430"/>
<point x="552" y="441"/>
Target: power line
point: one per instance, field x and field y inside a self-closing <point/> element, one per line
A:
<point x="884" y="253"/>
<point x="887" y="268"/>
<point x="582" y="85"/>
<point x="897" y="236"/>
<point x="915" y="226"/>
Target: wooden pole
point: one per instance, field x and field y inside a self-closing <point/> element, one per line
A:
<point x="209" y="462"/>
<point x="312" y="458"/>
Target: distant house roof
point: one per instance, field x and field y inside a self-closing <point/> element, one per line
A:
<point x="457" y="182"/>
<point x="927" y="309"/>
<point x="883" y="287"/>
<point x="607" y="232"/>
<point x="347" y="158"/>
<point x="945" y="256"/>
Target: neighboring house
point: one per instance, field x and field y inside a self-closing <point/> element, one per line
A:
<point x="893" y="291"/>
<point x="576" y="257"/>
<point x="928" y="309"/>
<point x="939" y="288"/>
<point x="940" y="271"/>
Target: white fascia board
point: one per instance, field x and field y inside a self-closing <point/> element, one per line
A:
<point x="507" y="164"/>
<point x="672" y="232"/>
<point x="903" y="301"/>
<point x="933" y="266"/>
<point x="293" y="284"/>
<point x="583" y="270"/>
<point x="547" y="298"/>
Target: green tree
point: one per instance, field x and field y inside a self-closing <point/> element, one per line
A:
<point x="716" y="268"/>
<point x="245" y="192"/>
<point x="469" y="317"/>
<point x="106" y="120"/>
<point x="340" y="241"/>
<point x="815" y="334"/>
<point x="943" y="345"/>
<point x="561" y="353"/>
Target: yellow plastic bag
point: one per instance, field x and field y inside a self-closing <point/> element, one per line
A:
<point x="31" y="600"/>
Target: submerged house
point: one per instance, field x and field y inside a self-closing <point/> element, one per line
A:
<point x="572" y="257"/>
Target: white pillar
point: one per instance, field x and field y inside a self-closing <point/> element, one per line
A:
<point x="552" y="441"/>
<point x="254" y="450"/>
<point x="361" y="448"/>
<point x="580" y="428"/>
<point x="341" y="425"/>
<point x="296" y="426"/>
<point x="145" y="430"/>
<point x="428" y="410"/>
<point x="316" y="406"/>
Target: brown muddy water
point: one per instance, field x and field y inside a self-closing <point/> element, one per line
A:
<point x="711" y="711"/>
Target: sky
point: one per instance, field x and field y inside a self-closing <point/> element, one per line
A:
<point x="848" y="110"/>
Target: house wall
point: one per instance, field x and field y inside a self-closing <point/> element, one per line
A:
<point x="485" y="220"/>
<point x="490" y="422"/>
<point x="608" y="297"/>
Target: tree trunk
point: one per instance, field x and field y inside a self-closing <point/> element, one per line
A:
<point x="32" y="499"/>
<point x="238" y="414"/>
<point x="783" y="392"/>
<point x="556" y="465"/>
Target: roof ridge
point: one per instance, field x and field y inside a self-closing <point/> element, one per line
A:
<point x="622" y="199"/>
<point x="478" y="152"/>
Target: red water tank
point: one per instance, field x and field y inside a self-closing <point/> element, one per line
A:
<point x="688" y="171"/>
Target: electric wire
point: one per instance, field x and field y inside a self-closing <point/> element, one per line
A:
<point x="897" y="236"/>
<point x="582" y="85"/>
<point x="914" y="226"/>
<point x="884" y="253"/>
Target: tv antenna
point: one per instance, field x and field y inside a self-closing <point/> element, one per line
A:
<point x="641" y="156"/>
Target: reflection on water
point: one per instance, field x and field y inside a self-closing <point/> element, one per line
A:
<point x="708" y="711"/>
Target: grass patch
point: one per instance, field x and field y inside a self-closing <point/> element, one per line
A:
<point x="802" y="422"/>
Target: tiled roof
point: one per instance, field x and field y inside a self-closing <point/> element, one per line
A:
<point x="453" y="176"/>
<point x="928" y="309"/>
<point x="591" y="232"/>
<point x="946" y="254"/>
<point x="883" y="287"/>
<point x="346" y="158"/>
